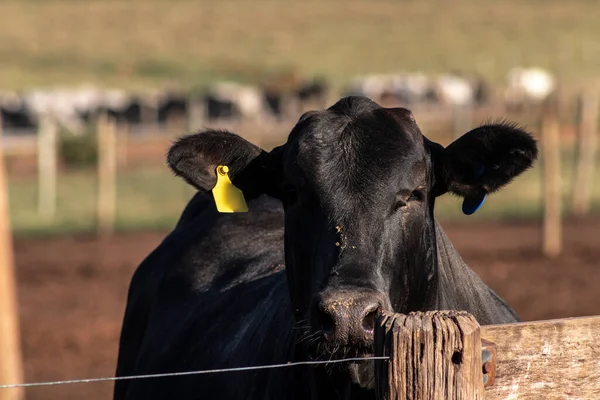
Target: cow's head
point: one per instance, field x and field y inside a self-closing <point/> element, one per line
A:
<point x="358" y="184"/>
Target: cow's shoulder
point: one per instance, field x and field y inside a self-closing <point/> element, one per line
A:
<point x="213" y="248"/>
<point x="215" y="267"/>
<point x="210" y="264"/>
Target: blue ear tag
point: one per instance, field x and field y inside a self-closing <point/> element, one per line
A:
<point x="473" y="203"/>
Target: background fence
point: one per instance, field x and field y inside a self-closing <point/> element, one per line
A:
<point x="70" y="196"/>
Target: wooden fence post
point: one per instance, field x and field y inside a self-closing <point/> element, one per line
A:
<point x="107" y="168"/>
<point x="149" y="107"/>
<point x="549" y="360"/>
<point x="552" y="226"/>
<point x="196" y="113"/>
<point x="123" y="132"/>
<point x="46" y="154"/>
<point x="462" y="120"/>
<point x="586" y="153"/>
<point x="11" y="365"/>
<point x="433" y="355"/>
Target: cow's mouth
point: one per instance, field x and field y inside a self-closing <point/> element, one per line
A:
<point x="356" y="372"/>
<point x="324" y="351"/>
<point x="362" y="373"/>
<point x="352" y="375"/>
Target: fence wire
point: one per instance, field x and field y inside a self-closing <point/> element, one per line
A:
<point x="171" y="374"/>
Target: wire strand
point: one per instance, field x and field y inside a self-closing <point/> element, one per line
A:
<point x="209" y="371"/>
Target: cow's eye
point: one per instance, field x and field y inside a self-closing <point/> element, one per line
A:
<point x="399" y="204"/>
<point x="403" y="199"/>
<point x="418" y="194"/>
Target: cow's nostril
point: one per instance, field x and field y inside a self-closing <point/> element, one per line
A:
<point x="326" y="323"/>
<point x="368" y="322"/>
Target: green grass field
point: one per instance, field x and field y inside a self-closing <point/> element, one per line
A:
<point x="137" y="44"/>
<point x="152" y="198"/>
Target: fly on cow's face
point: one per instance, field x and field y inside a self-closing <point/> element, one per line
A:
<point x="340" y="239"/>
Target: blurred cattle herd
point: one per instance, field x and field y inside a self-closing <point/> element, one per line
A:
<point x="279" y="99"/>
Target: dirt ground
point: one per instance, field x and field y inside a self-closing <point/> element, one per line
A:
<point x="72" y="291"/>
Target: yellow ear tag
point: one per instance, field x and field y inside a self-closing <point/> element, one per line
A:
<point x="228" y="198"/>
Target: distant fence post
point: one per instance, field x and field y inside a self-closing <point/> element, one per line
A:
<point x="196" y="114"/>
<point x="433" y="355"/>
<point x="552" y="226"/>
<point x="107" y="168"/>
<point x="149" y="109"/>
<point x="11" y="365"/>
<point x="123" y="131"/>
<point x="47" y="166"/>
<point x="462" y="119"/>
<point x="586" y="153"/>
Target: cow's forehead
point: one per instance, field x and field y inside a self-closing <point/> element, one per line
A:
<point x="356" y="156"/>
<point x="357" y="133"/>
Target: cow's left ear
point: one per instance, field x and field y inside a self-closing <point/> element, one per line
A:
<point x="482" y="161"/>
<point x="195" y="158"/>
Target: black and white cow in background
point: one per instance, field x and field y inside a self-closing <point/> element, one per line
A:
<point x="528" y="87"/>
<point x="340" y="227"/>
<point x="304" y="95"/>
<point x="417" y="89"/>
<point x="233" y="101"/>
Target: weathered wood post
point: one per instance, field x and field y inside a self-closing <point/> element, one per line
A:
<point x="552" y="226"/>
<point x="433" y="355"/>
<point x="197" y="113"/>
<point x="545" y="360"/>
<point x="47" y="165"/>
<point x="11" y="365"/>
<point x="123" y="133"/>
<point x="586" y="153"/>
<point x="462" y="120"/>
<point x="107" y="168"/>
<point x="149" y="104"/>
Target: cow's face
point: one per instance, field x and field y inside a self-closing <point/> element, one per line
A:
<point x="359" y="228"/>
<point x="358" y="184"/>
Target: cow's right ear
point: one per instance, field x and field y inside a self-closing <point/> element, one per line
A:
<point x="482" y="161"/>
<point x="196" y="157"/>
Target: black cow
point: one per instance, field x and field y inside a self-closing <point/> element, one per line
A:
<point x="347" y="205"/>
<point x="218" y="108"/>
<point x="304" y="96"/>
<point x="173" y="105"/>
<point x="18" y="118"/>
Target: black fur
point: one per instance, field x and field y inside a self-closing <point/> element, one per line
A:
<point x="353" y="223"/>
<point x="196" y="157"/>
<point x="504" y="150"/>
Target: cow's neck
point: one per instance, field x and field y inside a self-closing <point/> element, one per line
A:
<point x="459" y="288"/>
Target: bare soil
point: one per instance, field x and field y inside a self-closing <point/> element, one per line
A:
<point x="72" y="291"/>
